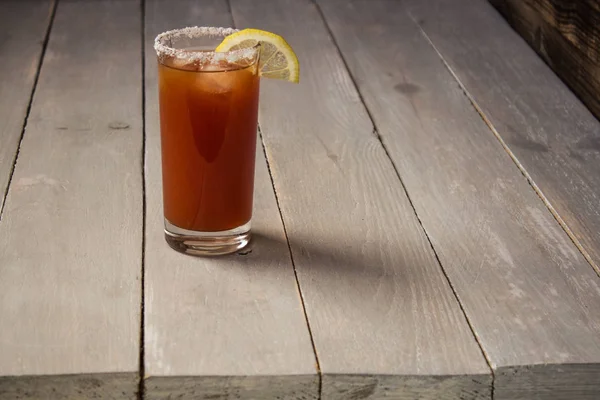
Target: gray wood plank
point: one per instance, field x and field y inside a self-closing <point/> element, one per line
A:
<point x="71" y="234"/>
<point x="384" y="319"/>
<point x="229" y="327"/>
<point x="550" y="134"/>
<point x="529" y="294"/>
<point x="23" y="26"/>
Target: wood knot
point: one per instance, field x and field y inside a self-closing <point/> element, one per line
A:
<point x="118" y="125"/>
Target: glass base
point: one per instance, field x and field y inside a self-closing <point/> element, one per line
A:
<point x="207" y="243"/>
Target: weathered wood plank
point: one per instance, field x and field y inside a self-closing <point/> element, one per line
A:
<point x="71" y="234"/>
<point x="225" y="327"/>
<point x="529" y="294"/>
<point x="384" y="319"/>
<point x="23" y="26"/>
<point x="553" y="138"/>
<point x="566" y="34"/>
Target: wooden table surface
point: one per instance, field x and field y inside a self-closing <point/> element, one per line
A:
<point x="427" y="213"/>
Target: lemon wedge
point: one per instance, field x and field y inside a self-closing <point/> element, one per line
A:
<point x="277" y="59"/>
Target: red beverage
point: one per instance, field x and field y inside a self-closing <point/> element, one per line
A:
<point x="208" y="121"/>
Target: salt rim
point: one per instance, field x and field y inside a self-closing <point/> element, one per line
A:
<point x="234" y="56"/>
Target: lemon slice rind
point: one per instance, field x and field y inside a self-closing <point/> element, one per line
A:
<point x="277" y="59"/>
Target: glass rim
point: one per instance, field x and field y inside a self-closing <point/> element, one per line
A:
<point x="164" y="51"/>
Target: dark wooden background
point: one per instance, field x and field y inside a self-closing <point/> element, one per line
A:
<point x="566" y="34"/>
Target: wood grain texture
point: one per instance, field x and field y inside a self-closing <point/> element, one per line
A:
<point x="566" y="34"/>
<point x="23" y="26"/>
<point x="381" y="311"/>
<point x="70" y="238"/>
<point x="531" y="297"/>
<point x="553" y="138"/>
<point x="60" y="387"/>
<point x="283" y="387"/>
<point x="229" y="327"/>
<point x="577" y="21"/>
<point x="406" y="387"/>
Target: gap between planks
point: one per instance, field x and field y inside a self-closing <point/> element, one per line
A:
<point x="410" y="200"/>
<point x="512" y="156"/>
<point x="33" y="87"/>
<point x="143" y="172"/>
<point x="312" y="339"/>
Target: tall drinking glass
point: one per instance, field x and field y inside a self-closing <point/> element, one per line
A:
<point x="208" y="123"/>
